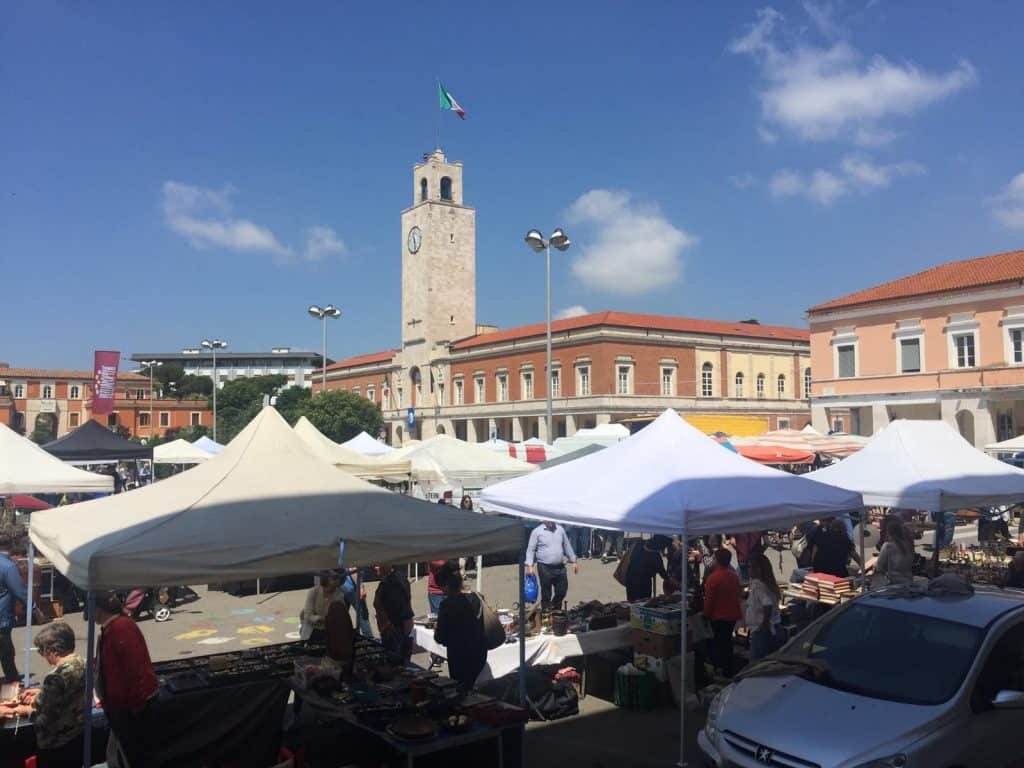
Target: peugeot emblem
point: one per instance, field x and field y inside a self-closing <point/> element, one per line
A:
<point x="764" y="755"/>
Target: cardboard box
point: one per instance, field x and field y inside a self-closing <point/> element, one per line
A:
<point x="651" y="644"/>
<point x="658" y="621"/>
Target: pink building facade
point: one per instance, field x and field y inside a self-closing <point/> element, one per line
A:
<point x="947" y="343"/>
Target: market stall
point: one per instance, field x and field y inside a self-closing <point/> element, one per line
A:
<point x="669" y="478"/>
<point x="92" y="443"/>
<point x="206" y="444"/>
<point x="180" y="452"/>
<point x="448" y="461"/>
<point x="828" y="446"/>
<point x="381" y="467"/>
<point x="266" y="506"/>
<point x="366" y="445"/>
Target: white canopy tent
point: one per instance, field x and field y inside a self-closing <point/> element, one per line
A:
<point x="1013" y="445"/>
<point x="603" y="434"/>
<point x="925" y="465"/>
<point x="444" y="460"/>
<point x="383" y="467"/>
<point x="267" y="506"/>
<point x="366" y="445"/>
<point x="27" y="468"/>
<point x="667" y="478"/>
<point x="208" y="445"/>
<point x="180" y="452"/>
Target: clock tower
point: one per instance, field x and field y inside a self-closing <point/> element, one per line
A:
<point x="438" y="279"/>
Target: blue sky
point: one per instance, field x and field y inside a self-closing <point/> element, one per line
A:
<point x="178" y="171"/>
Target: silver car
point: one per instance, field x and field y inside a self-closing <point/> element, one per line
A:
<point x="890" y="680"/>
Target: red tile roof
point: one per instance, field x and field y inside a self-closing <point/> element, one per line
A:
<point x="954" y="276"/>
<point x="634" y="320"/>
<point x="58" y="373"/>
<point x="369" y="359"/>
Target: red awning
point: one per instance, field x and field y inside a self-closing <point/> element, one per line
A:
<point x="773" y="454"/>
<point x="28" y="502"/>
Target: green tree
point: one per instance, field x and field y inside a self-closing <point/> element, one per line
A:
<point x="239" y="401"/>
<point x="191" y="387"/>
<point x="290" y="402"/>
<point x="341" y="415"/>
<point x="45" y="429"/>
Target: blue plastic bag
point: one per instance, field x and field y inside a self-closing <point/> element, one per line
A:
<point x="530" y="588"/>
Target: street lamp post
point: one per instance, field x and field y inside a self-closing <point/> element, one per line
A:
<point x="538" y="243"/>
<point x="213" y="346"/>
<point x="322" y="313"/>
<point x="151" y="364"/>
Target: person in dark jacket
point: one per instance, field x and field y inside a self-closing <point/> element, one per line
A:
<point x="644" y="565"/>
<point x="460" y="628"/>
<point x="12" y="588"/>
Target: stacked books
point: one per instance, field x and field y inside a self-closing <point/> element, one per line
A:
<point x="827" y="589"/>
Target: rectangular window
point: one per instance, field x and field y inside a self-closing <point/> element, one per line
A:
<point x="1017" y="342"/>
<point x="19" y="390"/>
<point x="783" y="423"/>
<point x="479" y="396"/>
<point x="459" y="394"/>
<point x="556" y="383"/>
<point x="144" y="419"/>
<point x="140" y="394"/>
<point x="112" y="419"/>
<point x="964" y="344"/>
<point x="194" y="419"/>
<point x="838" y="426"/>
<point x="528" y="386"/>
<point x="910" y="355"/>
<point x="371" y="394"/>
<point x="622" y="379"/>
<point x="847" y="361"/>
<point x="502" y="388"/>
<point x="583" y="372"/>
<point x="165" y="419"/>
<point x="668" y="381"/>
<point x="73" y="419"/>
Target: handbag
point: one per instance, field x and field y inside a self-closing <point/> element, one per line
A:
<point x="623" y="567"/>
<point x="494" y="633"/>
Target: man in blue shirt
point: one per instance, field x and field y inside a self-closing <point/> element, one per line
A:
<point x="549" y="549"/>
<point x="12" y="588"/>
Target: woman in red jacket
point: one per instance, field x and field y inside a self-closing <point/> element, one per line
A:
<point x="125" y="679"/>
<point x="722" y="608"/>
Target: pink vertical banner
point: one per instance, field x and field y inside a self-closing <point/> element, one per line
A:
<point x="104" y="381"/>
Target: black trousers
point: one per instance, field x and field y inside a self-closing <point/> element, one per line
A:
<point x="66" y="756"/>
<point x="554" y="583"/>
<point x="7" y="655"/>
<point x="721" y="645"/>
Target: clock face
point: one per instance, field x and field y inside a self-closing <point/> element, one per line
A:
<point x="415" y="238"/>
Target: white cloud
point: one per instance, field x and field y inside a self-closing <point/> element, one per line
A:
<point x="856" y="173"/>
<point x="573" y="311"/>
<point x="866" y="136"/>
<point x="822" y="15"/>
<point x="1008" y="205"/>
<point x="203" y="217"/>
<point x="743" y="180"/>
<point x="819" y="93"/>
<point x="634" y="249"/>
<point x="321" y="242"/>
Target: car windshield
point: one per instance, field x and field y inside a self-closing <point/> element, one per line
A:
<point x="885" y="653"/>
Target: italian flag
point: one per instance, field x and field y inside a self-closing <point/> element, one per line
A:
<point x="448" y="101"/>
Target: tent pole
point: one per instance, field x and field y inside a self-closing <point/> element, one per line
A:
<point x="863" y="575"/>
<point x="522" y="622"/>
<point x="28" y="605"/>
<point x="480" y="573"/>
<point x="90" y="673"/>
<point x="684" y="587"/>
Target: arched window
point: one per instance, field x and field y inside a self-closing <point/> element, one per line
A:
<point x="423" y="189"/>
<point x="707" y="380"/>
<point x="807" y="383"/>
<point x="75" y="392"/>
<point x="739" y="385"/>
<point x="47" y="392"/>
<point x="446" y="188"/>
<point x="781" y="385"/>
<point x="760" y="386"/>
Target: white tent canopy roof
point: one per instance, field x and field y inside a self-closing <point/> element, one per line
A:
<point x="27" y="468"/>
<point x="1013" y="445"/>
<point x="267" y="506"/>
<point x="208" y="445"/>
<point x="385" y="467"/>
<point x="925" y="465"/>
<point x="366" y="445"/>
<point x="180" y="452"/>
<point x="666" y="472"/>
<point x="445" y="459"/>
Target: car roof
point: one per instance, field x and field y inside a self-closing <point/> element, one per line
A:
<point x="977" y="610"/>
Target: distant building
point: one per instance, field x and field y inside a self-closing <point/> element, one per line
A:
<point x="455" y="376"/>
<point x="65" y="398"/>
<point x="946" y="343"/>
<point x="298" y="365"/>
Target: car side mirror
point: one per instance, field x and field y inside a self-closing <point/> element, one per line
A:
<point x="1009" y="700"/>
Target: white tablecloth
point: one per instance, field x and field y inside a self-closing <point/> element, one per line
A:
<point x="543" y="649"/>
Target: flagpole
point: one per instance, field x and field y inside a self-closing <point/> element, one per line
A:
<point x="438" y="144"/>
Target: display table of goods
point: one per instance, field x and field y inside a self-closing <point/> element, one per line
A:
<point x="981" y="563"/>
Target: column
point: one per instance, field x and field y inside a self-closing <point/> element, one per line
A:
<point x="471" y="431"/>
<point x="984" y="426"/>
<point x="819" y="418"/>
<point x="603" y="418"/>
<point x="879" y="417"/>
<point x="542" y="429"/>
<point x="570" y="425"/>
<point x="492" y="428"/>
<point x="947" y="411"/>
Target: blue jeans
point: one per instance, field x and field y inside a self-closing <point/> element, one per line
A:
<point x="579" y="539"/>
<point x="435" y="602"/>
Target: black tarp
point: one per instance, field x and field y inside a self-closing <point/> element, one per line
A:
<point x="92" y="442"/>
